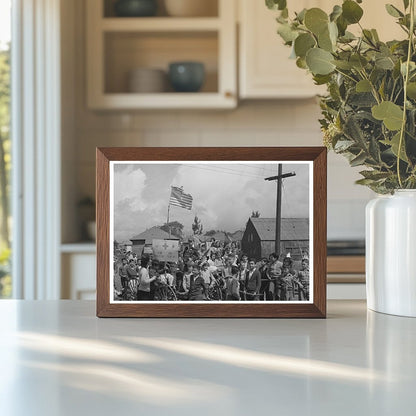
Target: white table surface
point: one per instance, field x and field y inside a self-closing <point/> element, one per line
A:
<point x="57" y="358"/>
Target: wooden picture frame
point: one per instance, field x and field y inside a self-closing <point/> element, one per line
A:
<point x="315" y="157"/>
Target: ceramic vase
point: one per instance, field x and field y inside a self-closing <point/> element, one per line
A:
<point x="391" y="253"/>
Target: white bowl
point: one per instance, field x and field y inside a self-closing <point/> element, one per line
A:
<point x="191" y="8"/>
<point x="147" y="80"/>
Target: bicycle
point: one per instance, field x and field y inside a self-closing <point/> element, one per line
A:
<point x="164" y="292"/>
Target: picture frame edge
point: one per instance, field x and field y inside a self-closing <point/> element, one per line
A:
<point x="104" y="155"/>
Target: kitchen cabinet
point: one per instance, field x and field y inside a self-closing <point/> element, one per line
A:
<point x="78" y="264"/>
<point x="265" y="70"/>
<point x="118" y="45"/>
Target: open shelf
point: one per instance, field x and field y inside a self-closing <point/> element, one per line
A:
<point x="210" y="7"/>
<point x="160" y="24"/>
<point x="127" y="51"/>
<point x="119" y="45"/>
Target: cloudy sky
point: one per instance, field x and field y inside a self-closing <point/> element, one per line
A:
<point x="224" y="195"/>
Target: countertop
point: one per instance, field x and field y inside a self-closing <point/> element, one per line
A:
<point x="57" y="358"/>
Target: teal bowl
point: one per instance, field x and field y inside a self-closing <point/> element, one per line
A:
<point x="135" y="8"/>
<point x="186" y="76"/>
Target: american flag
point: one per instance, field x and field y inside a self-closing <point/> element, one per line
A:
<point x="179" y="199"/>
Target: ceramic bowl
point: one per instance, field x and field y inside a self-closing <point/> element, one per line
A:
<point x="191" y="8"/>
<point x="186" y="76"/>
<point x="147" y="80"/>
<point x="135" y="8"/>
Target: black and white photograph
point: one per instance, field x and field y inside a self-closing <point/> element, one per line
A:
<point x="211" y="231"/>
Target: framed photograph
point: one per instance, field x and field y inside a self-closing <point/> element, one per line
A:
<point x="211" y="232"/>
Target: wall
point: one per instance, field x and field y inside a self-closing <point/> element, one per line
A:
<point x="254" y="123"/>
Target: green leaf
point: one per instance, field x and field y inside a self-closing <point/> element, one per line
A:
<point x="374" y="175"/>
<point x="321" y="79"/>
<point x="353" y="131"/>
<point x="411" y="90"/>
<point x="394" y="145"/>
<point x="343" y="145"/>
<point x="406" y="4"/>
<point x="333" y="32"/>
<point x="363" y="86"/>
<point x="412" y="67"/>
<point x="358" y="61"/>
<point x="358" y="160"/>
<point x="319" y="61"/>
<point x="351" y="11"/>
<point x="316" y="20"/>
<point x="347" y="37"/>
<point x="365" y="182"/>
<point x="303" y="43"/>
<point x="301" y="63"/>
<point x="336" y="12"/>
<point x="384" y="62"/>
<point x="393" y="11"/>
<point x="375" y="35"/>
<point x="301" y="15"/>
<point x="388" y="112"/>
<point x="276" y="4"/>
<point x="344" y="65"/>
<point x="325" y="42"/>
<point x="287" y="33"/>
<point x="368" y="36"/>
<point x="374" y="150"/>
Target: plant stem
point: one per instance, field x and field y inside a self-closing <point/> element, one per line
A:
<point x="406" y="80"/>
<point x="346" y="75"/>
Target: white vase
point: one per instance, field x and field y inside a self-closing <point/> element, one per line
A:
<point x="391" y="253"/>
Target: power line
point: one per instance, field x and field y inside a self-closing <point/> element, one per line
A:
<point x="227" y="171"/>
<point x="220" y="167"/>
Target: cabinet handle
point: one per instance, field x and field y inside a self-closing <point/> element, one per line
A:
<point x="229" y="94"/>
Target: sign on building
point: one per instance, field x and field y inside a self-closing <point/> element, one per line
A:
<point x="165" y="250"/>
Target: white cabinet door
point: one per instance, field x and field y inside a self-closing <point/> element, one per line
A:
<point x="78" y="276"/>
<point x="265" y="68"/>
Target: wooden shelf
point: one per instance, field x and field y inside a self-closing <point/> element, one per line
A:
<point x="346" y="264"/>
<point x="128" y="101"/>
<point x="160" y="24"/>
<point x="84" y="247"/>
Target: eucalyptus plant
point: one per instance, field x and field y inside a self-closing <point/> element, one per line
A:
<point x="369" y="111"/>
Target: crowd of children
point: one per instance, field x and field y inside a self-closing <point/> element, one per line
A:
<point x="222" y="273"/>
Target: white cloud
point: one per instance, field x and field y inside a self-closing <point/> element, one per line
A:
<point x="129" y="185"/>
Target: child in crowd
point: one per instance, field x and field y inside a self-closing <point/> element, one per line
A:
<point x="303" y="280"/>
<point x="233" y="285"/>
<point x="198" y="289"/>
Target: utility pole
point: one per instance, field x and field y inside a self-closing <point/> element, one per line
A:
<point x="278" y="179"/>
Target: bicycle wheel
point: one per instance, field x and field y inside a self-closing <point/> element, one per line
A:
<point x="170" y="294"/>
<point x="159" y="295"/>
<point x="215" y="293"/>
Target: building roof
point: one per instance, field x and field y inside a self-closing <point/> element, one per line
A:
<point x="154" y="233"/>
<point x="292" y="228"/>
<point x="236" y="236"/>
<point x="219" y="236"/>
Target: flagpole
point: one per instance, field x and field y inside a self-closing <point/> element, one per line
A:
<point x="167" y="222"/>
